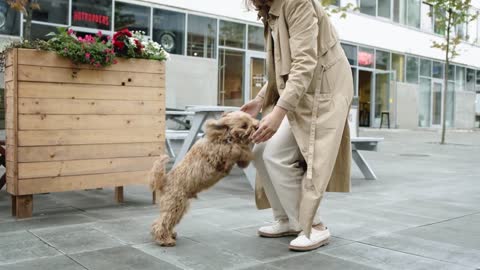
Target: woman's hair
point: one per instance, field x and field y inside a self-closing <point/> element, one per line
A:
<point x="262" y="6"/>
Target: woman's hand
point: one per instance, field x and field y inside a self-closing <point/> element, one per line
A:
<point x="269" y="125"/>
<point x="253" y="107"/>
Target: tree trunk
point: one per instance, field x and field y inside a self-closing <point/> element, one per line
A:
<point x="445" y="80"/>
<point x="27" y="32"/>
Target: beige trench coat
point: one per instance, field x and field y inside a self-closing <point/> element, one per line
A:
<point x="309" y="76"/>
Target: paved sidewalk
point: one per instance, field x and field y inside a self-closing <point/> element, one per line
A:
<point x="422" y="213"/>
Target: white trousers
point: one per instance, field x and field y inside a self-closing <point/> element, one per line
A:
<point x="277" y="162"/>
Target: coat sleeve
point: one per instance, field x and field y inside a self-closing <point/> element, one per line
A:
<point x="302" y="23"/>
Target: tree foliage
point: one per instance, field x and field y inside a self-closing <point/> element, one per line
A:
<point x="330" y="8"/>
<point x="26" y="7"/>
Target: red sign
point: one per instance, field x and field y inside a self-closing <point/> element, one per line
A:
<point x="91" y="17"/>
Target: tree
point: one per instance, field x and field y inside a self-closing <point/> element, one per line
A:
<point x="26" y="7"/>
<point x="448" y="15"/>
<point x="333" y="7"/>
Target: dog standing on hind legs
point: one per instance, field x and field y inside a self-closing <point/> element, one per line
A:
<point x="226" y="143"/>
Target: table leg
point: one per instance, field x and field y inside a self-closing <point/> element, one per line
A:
<point x="198" y="120"/>
<point x="363" y="165"/>
<point x="251" y="174"/>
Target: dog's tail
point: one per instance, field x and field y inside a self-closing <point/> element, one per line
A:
<point x="157" y="175"/>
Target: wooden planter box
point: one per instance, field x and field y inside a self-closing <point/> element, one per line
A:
<point x="75" y="127"/>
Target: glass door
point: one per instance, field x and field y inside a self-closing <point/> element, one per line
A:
<point x="256" y="74"/>
<point x="230" y="78"/>
<point x="437" y="87"/>
<point x="382" y="100"/>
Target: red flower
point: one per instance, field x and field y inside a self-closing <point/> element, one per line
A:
<point x="138" y="44"/>
<point x="119" y="44"/>
<point x="99" y="34"/>
<point x="87" y="56"/>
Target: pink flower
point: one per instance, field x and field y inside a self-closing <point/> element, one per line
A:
<point x="70" y="31"/>
<point x="87" y="56"/>
<point x="99" y="34"/>
<point x="115" y="61"/>
<point x="103" y="42"/>
<point x="109" y="37"/>
<point x="80" y="39"/>
<point x="97" y="65"/>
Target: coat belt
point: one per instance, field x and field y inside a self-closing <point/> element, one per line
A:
<point x="316" y="101"/>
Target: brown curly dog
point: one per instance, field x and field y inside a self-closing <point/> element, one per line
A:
<point x="226" y="143"/>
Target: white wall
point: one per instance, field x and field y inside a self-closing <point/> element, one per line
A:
<point x="356" y="28"/>
<point x="191" y="81"/>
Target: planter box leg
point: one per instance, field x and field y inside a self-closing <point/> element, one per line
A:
<point x="24" y="206"/>
<point x="14" y="206"/>
<point x="119" y="194"/>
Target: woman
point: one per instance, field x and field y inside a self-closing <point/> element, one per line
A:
<point x="305" y="105"/>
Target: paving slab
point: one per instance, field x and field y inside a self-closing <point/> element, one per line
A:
<point x="198" y="256"/>
<point x="437" y="250"/>
<point x="51" y="263"/>
<point x="76" y="238"/>
<point x="380" y="258"/>
<point x="121" y="258"/>
<point x="22" y="246"/>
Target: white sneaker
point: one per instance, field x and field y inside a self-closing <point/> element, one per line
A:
<point x="280" y="228"/>
<point x="317" y="239"/>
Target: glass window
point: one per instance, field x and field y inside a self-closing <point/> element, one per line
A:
<point x="132" y="17"/>
<point x="169" y="30"/>
<point x="368" y="7"/>
<point x="470" y="80"/>
<point x="437" y="28"/>
<point x="398" y="64"/>
<point x="460" y="79"/>
<point x="425" y="68"/>
<point x="382" y="60"/>
<point x="413" y="14"/>
<point x="9" y="20"/>
<point x="399" y="11"/>
<point x="366" y="57"/>
<point x="232" y="34"/>
<point x="450" y="110"/>
<point x="451" y="73"/>
<point x="478" y="77"/>
<point x="437" y="70"/>
<point x="202" y="33"/>
<point x="52" y="11"/>
<point x="426" y="20"/>
<point x="384" y="8"/>
<point x="351" y="52"/>
<point x="424" y="102"/>
<point x="461" y="30"/>
<point x="256" y="39"/>
<point x="472" y="29"/>
<point x="354" y="75"/>
<point x="412" y="69"/>
<point x="40" y="31"/>
<point x="92" y="14"/>
<point x="230" y="77"/>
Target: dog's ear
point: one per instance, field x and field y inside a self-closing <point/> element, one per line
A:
<point x="213" y="124"/>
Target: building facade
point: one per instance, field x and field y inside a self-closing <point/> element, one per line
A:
<point x="218" y="56"/>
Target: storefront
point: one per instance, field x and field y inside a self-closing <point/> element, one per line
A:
<point x="220" y="59"/>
